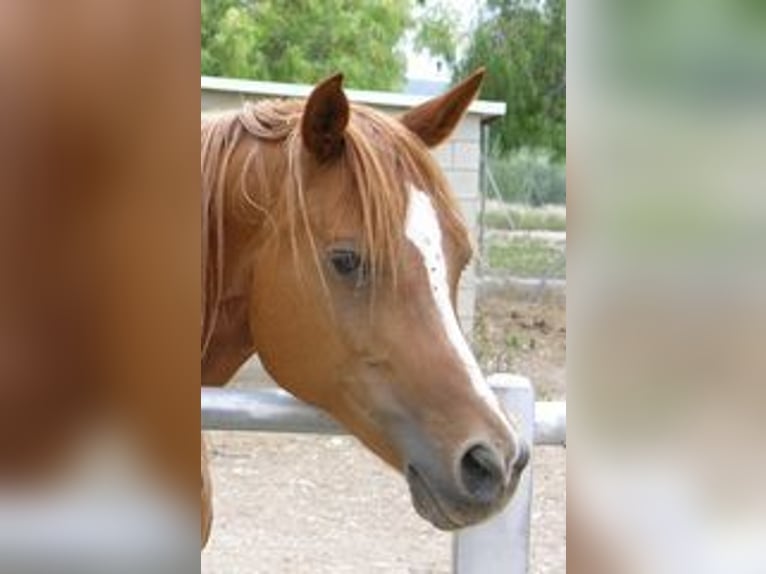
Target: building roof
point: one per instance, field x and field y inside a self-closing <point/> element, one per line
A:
<point x="482" y="108"/>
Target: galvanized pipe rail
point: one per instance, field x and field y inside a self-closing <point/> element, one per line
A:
<point x="500" y="545"/>
<point x="275" y="410"/>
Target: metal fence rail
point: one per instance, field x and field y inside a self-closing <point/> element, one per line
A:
<point x="500" y="545"/>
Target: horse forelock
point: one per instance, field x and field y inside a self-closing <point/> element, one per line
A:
<point x="380" y="156"/>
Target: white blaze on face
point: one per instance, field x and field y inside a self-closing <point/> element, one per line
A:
<point x="424" y="232"/>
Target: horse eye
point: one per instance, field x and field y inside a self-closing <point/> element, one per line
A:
<point x="345" y="261"/>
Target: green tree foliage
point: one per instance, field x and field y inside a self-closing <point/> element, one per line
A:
<point x="522" y="44"/>
<point x="437" y="31"/>
<point x="305" y="40"/>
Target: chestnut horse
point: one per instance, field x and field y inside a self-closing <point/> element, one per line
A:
<point x="332" y="249"/>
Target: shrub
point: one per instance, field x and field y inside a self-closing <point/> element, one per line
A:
<point x="529" y="177"/>
<point x="524" y="218"/>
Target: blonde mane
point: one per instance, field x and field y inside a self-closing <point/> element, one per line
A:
<point x="381" y="157"/>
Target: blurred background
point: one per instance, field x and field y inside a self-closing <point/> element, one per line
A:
<point x="666" y="291"/>
<point x="99" y="286"/>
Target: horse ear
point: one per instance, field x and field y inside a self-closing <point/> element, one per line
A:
<point x="435" y="119"/>
<point x="325" y="117"/>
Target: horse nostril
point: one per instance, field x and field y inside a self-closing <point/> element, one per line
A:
<point x="481" y="472"/>
<point x="522" y="458"/>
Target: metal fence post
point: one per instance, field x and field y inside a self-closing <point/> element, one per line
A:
<point x="501" y="545"/>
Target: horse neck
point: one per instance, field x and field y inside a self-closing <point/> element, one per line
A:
<point x="230" y="344"/>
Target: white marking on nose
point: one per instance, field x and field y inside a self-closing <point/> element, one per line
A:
<point x="424" y="232"/>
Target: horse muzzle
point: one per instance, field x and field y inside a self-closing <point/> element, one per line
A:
<point x="480" y="485"/>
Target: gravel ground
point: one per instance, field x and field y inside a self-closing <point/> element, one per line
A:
<point x="308" y="504"/>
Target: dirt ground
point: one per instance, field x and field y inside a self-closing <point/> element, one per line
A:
<point x="524" y="337"/>
<point x="320" y="505"/>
